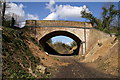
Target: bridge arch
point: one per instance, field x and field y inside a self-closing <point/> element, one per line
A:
<point x="49" y="50"/>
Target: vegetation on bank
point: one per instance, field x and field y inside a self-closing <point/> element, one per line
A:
<point x="18" y="60"/>
<point x="61" y="47"/>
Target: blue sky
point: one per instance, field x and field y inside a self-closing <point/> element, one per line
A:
<point x="39" y="9"/>
<point x="62" y="39"/>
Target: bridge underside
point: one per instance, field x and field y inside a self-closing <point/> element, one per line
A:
<point x="50" y="50"/>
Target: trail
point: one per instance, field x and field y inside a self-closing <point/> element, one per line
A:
<point x="78" y="70"/>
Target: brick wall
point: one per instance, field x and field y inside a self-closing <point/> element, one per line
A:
<point x="57" y="23"/>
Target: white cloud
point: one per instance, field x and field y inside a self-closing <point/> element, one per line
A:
<point x="52" y="16"/>
<point x="29" y="17"/>
<point x="21" y="24"/>
<point x="15" y="10"/>
<point x="51" y="5"/>
<point x="65" y="11"/>
<point x="32" y="17"/>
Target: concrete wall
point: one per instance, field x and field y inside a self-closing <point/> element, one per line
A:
<point x="94" y="37"/>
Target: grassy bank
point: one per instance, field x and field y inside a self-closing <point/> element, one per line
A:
<point x="17" y="58"/>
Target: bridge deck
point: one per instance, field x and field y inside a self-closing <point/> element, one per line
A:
<point x="64" y="27"/>
<point x="74" y="24"/>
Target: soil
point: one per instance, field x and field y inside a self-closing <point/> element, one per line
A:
<point x="77" y="69"/>
<point x="45" y="59"/>
<point x="70" y="66"/>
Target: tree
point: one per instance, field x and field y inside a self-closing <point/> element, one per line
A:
<point x="73" y="44"/>
<point x="50" y="41"/>
<point x="108" y="16"/>
<point x="93" y="20"/>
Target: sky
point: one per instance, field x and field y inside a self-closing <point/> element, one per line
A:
<point x="55" y="11"/>
<point x="63" y="39"/>
<point x="40" y="8"/>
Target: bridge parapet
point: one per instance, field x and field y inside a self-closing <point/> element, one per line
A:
<point x="57" y="23"/>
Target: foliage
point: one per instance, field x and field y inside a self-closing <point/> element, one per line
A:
<point x="7" y="23"/>
<point x="108" y="16"/>
<point x="73" y="44"/>
<point x="90" y="17"/>
<point x="61" y="47"/>
<point x="62" y="44"/>
<point x="50" y="41"/>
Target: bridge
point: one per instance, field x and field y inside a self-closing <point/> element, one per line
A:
<point x="80" y="32"/>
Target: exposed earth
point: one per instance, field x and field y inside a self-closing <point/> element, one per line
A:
<point x="23" y="57"/>
<point x="77" y="69"/>
<point x="93" y="66"/>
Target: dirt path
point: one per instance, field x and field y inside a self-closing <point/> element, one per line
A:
<point x="77" y="70"/>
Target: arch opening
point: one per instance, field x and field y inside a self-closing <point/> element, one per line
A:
<point x="50" y="50"/>
<point x="62" y="44"/>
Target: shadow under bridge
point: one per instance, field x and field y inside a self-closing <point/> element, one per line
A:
<point x="50" y="50"/>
